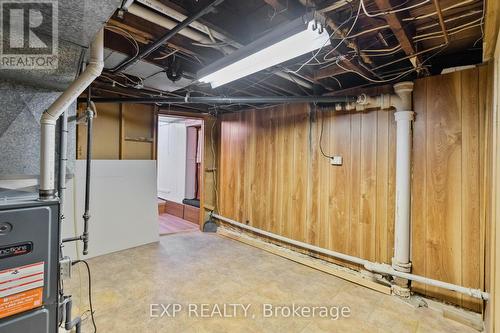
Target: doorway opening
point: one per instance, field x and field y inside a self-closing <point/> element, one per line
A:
<point x="179" y="153"/>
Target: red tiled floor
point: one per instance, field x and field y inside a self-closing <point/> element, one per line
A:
<point x="170" y="224"/>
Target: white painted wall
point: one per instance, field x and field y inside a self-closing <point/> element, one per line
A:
<point x="123" y="206"/>
<point x="171" y="160"/>
<point x="191" y="150"/>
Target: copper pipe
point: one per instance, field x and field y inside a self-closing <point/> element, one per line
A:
<point x="441" y="21"/>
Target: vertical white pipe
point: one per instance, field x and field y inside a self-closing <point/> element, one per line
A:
<point x="49" y="117"/>
<point x="404" y="116"/>
<point x="47" y="155"/>
<point x="401" y="260"/>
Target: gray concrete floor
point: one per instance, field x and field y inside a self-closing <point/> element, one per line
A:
<point x="196" y="268"/>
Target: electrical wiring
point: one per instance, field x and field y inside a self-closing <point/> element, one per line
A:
<point x="408" y="57"/>
<point x="114" y="81"/>
<point x="213" y="45"/>
<point x="451" y="19"/>
<point x="384" y="54"/>
<point x="388" y="73"/>
<point x="386" y="26"/>
<point x="316" y="63"/>
<point x="141" y="82"/>
<point x="368" y="69"/>
<point x="167" y="55"/>
<point x="335" y="6"/>
<point x="329" y="37"/>
<point x="397" y="47"/>
<point x="482" y="25"/>
<point x="90" y="291"/>
<point x="325" y="57"/>
<point x="439" y="33"/>
<point x="338" y="81"/>
<point x="376" y="81"/>
<point x="449" y="33"/>
<point x="327" y="64"/>
<point x="423" y="16"/>
<point x="392" y="11"/>
<point x="298" y="85"/>
<point x="126" y="34"/>
<point x="320" y="143"/>
<point x="441" y="48"/>
<point x="364" y="32"/>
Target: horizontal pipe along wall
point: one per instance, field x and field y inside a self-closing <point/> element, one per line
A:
<point x="273" y="176"/>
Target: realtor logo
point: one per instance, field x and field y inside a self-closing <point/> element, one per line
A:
<point x="29" y="38"/>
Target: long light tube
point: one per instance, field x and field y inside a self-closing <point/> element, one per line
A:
<point x="310" y="39"/>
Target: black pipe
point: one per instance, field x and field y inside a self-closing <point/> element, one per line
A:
<point x="72" y="239"/>
<point x="86" y="214"/>
<point x="151" y="48"/>
<point x="225" y="100"/>
<point x="70" y="324"/>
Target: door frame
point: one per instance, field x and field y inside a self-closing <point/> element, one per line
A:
<point x="188" y="115"/>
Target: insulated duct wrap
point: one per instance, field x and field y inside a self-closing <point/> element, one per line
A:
<point x="26" y="94"/>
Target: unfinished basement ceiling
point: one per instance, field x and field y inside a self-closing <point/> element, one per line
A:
<point x="373" y="42"/>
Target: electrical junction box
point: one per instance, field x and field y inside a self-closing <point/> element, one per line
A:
<point x="29" y="263"/>
<point x="336" y="160"/>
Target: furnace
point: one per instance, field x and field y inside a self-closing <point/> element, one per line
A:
<point x="29" y="263"/>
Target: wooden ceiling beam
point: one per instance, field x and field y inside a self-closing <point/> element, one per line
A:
<point x="491" y="28"/>
<point x="335" y="70"/>
<point x="145" y="37"/>
<point x="400" y="32"/>
<point x="327" y="72"/>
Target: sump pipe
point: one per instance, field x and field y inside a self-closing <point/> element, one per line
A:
<point x="371" y="266"/>
<point x="225" y="100"/>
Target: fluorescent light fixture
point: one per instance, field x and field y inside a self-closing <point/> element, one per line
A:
<point x="287" y="42"/>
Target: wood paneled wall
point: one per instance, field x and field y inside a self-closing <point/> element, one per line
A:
<point x="121" y="132"/>
<point x="273" y="176"/>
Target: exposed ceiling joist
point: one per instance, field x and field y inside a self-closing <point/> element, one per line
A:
<point x="330" y="71"/>
<point x="491" y="29"/>
<point x="334" y="70"/>
<point x="359" y="53"/>
<point x="400" y="32"/>
<point x="144" y="37"/>
<point x="334" y="27"/>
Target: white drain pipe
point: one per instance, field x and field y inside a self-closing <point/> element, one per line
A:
<point x="404" y="118"/>
<point x="371" y="266"/>
<point x="402" y="102"/>
<point x="49" y="117"/>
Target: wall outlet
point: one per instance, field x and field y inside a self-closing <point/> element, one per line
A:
<point x="336" y="160"/>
